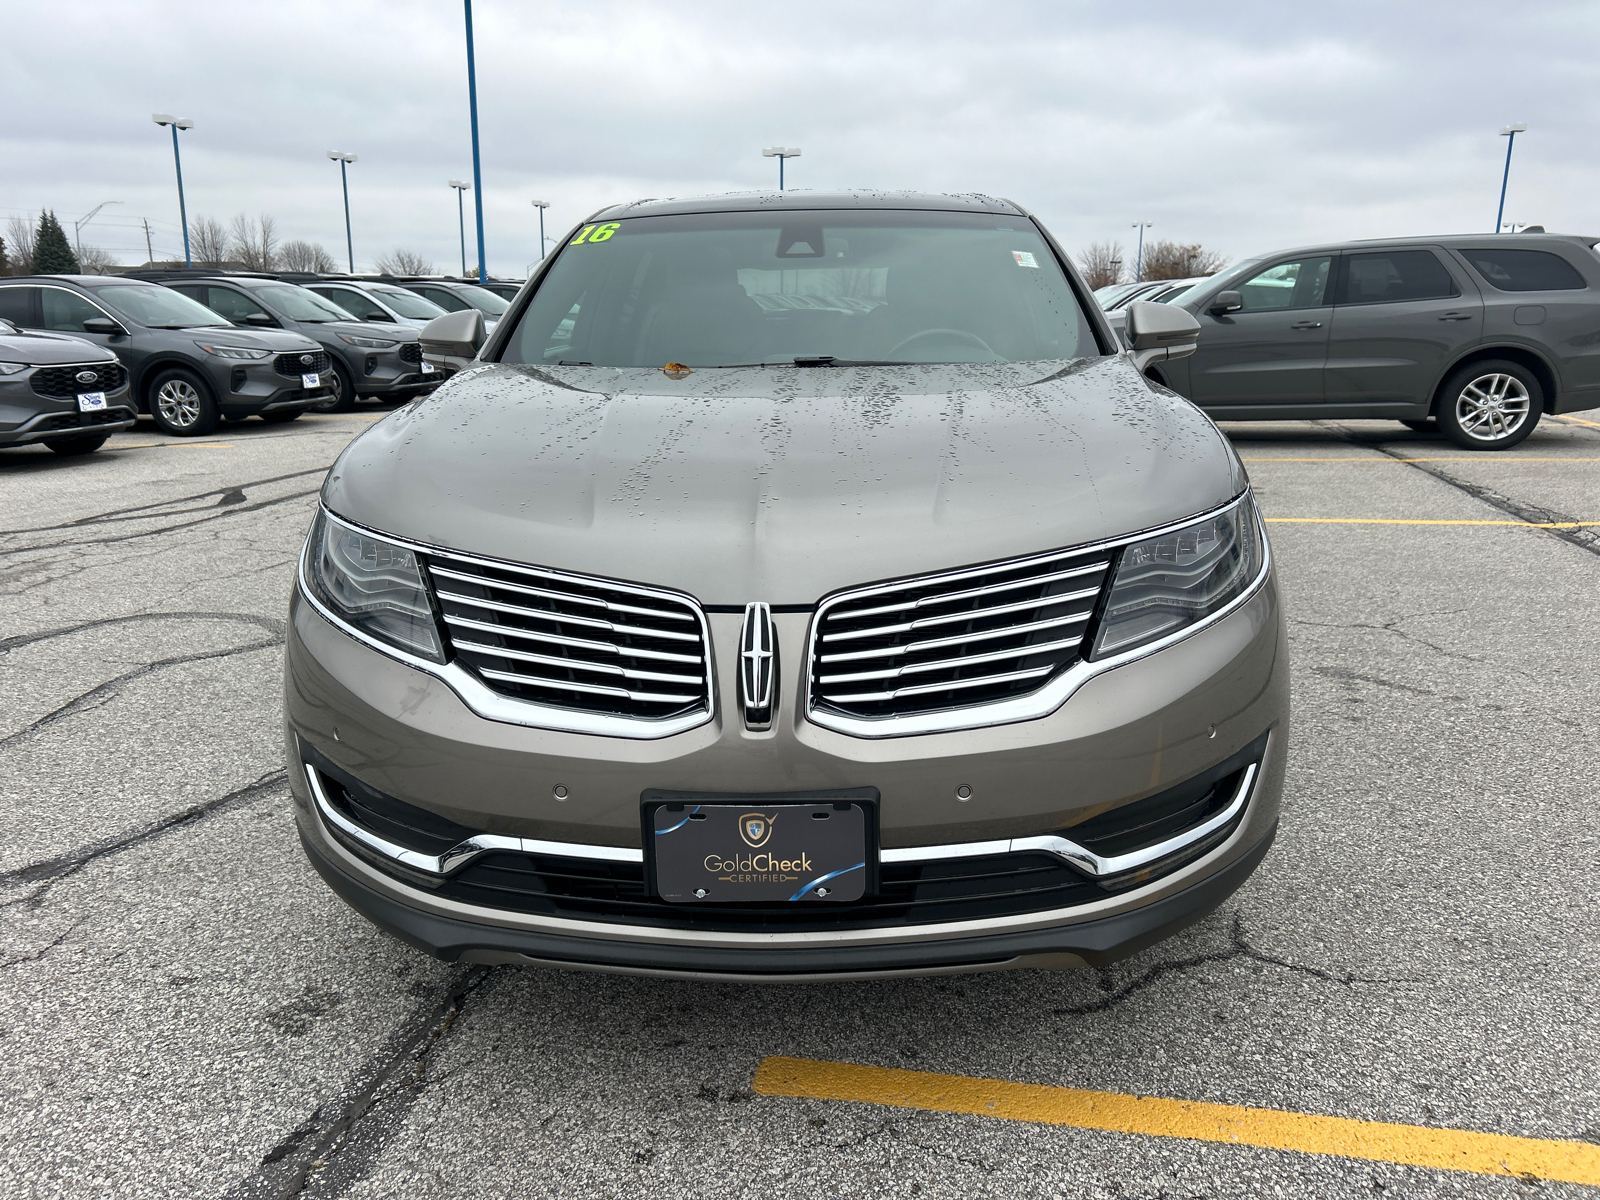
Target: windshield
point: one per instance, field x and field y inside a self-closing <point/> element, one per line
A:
<point x="158" y="307"/>
<point x="480" y="298"/>
<point x="1111" y="291"/>
<point x="408" y="304"/>
<point x="300" y="304"/>
<point x="735" y="289"/>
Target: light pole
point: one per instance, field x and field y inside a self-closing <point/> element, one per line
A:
<point x="1138" y="270"/>
<point x="541" y="205"/>
<point x="178" y="123"/>
<point x="1510" y="134"/>
<point x="780" y="153"/>
<point x="477" y="168"/>
<point x="343" y="160"/>
<point x="77" y="226"/>
<point x="460" y="186"/>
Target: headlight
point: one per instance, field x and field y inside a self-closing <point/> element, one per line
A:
<point x="1170" y="582"/>
<point x="372" y="585"/>
<point x="12" y="368"/>
<point x="367" y="343"/>
<point x="246" y="352"/>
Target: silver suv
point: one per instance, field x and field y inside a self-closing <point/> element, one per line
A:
<point x="1476" y="336"/>
<point x="796" y="586"/>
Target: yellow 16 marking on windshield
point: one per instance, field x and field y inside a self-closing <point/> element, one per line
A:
<point x="595" y="233"/>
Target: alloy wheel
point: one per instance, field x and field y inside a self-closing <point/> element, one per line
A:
<point x="1492" y="407"/>
<point x="179" y="403"/>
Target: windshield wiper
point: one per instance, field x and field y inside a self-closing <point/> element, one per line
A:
<point x="824" y="360"/>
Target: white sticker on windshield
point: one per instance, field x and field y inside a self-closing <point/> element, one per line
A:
<point x="1025" y="258"/>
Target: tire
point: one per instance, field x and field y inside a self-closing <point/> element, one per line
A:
<point x="282" y="416"/>
<point x="1425" y="425"/>
<point x="73" y="446"/>
<point x="1490" y="405"/>
<point x="181" y="403"/>
<point x="344" y="390"/>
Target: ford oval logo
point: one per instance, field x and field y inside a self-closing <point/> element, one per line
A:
<point x="86" y="377"/>
<point x="306" y="360"/>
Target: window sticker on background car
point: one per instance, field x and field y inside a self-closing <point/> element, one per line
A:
<point x="595" y="233"/>
<point x="1025" y="258"/>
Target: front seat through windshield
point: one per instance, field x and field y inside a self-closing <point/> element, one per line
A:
<point x="735" y="289"/>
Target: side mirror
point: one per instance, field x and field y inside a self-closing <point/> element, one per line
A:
<point x="1224" y="303"/>
<point x="454" y="335"/>
<point x="258" y="319"/>
<point x="1156" y="332"/>
<point x="102" y="325"/>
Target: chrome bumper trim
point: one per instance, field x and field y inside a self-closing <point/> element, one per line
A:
<point x="1084" y="859"/>
<point x="461" y="854"/>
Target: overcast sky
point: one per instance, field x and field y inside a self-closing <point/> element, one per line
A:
<point x="1242" y="126"/>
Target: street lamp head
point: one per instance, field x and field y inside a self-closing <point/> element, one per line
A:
<point x="338" y="156"/>
<point x="781" y="152"/>
<point x="541" y="204"/>
<point x="462" y="184"/>
<point x="169" y="119"/>
<point x="1519" y="127"/>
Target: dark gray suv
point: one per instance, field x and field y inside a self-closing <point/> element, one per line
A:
<point x="189" y="367"/>
<point x="1477" y="335"/>
<point x="384" y="363"/>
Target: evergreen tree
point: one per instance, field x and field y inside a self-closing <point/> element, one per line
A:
<point x="5" y="266"/>
<point x="52" y="253"/>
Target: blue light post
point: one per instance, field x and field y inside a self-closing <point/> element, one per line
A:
<point x="477" y="168"/>
<point x="541" y="205"/>
<point x="460" y="186"/>
<point x="1138" y="270"/>
<point x="178" y="123"/>
<point x="342" y="159"/>
<point x="1510" y="133"/>
<point x="780" y="153"/>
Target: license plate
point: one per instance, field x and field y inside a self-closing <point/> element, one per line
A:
<point x="91" y="401"/>
<point x="427" y="367"/>
<point x="728" y="853"/>
<point x="311" y="380"/>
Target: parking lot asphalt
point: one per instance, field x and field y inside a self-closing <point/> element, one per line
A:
<point x="186" y="1010"/>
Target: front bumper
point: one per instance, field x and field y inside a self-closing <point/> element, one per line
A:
<point x="1125" y="735"/>
<point x="58" y="421"/>
<point x="248" y="389"/>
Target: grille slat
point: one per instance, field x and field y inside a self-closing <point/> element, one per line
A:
<point x="60" y="383"/>
<point x="411" y="352"/>
<point x="1001" y="631"/>
<point x="545" y="637"/>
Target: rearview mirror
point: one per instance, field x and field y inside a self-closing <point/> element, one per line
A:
<point x="1156" y="332"/>
<point x="457" y="335"/>
<point x="258" y="319"/>
<point x="102" y="325"/>
<point x="1225" y="302"/>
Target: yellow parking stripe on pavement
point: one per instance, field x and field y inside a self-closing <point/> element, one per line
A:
<point x="1377" y="1141"/>
<point x="1420" y="521"/>
<point x="1577" y="421"/>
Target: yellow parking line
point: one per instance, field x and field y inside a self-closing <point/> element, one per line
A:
<point x="1475" y="458"/>
<point x="1415" y="521"/>
<point x="1577" y="421"/>
<point x="1377" y="1141"/>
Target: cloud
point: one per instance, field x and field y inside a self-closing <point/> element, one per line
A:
<point x="1245" y="127"/>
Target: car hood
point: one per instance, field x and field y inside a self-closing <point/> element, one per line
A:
<point x="783" y="484"/>
<point x="46" y="349"/>
<point x="278" y="341"/>
<point x="379" y="330"/>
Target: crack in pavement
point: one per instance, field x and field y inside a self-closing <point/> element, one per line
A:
<point x="279" y="629"/>
<point x="40" y="953"/>
<point x="335" y="1147"/>
<point x="216" y="515"/>
<point x="1238" y="948"/>
<point x="140" y="512"/>
<point x="51" y="871"/>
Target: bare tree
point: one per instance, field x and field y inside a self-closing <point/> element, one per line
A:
<point x="96" y="261"/>
<point x="254" y="243"/>
<point x="404" y="262"/>
<point x="208" y="242"/>
<point x="20" y="235"/>
<point x="1101" y="263"/>
<point x="1173" y="260"/>
<point x="300" y="255"/>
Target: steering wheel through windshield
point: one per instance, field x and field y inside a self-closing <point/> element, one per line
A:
<point x="958" y="335"/>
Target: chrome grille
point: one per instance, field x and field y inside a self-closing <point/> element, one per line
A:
<point x="954" y="640"/>
<point x="572" y="641"/>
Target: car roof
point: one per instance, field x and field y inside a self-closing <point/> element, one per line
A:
<point x="1524" y="240"/>
<point x="803" y="200"/>
<point x="80" y="280"/>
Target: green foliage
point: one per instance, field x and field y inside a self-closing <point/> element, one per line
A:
<point x="52" y="253"/>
